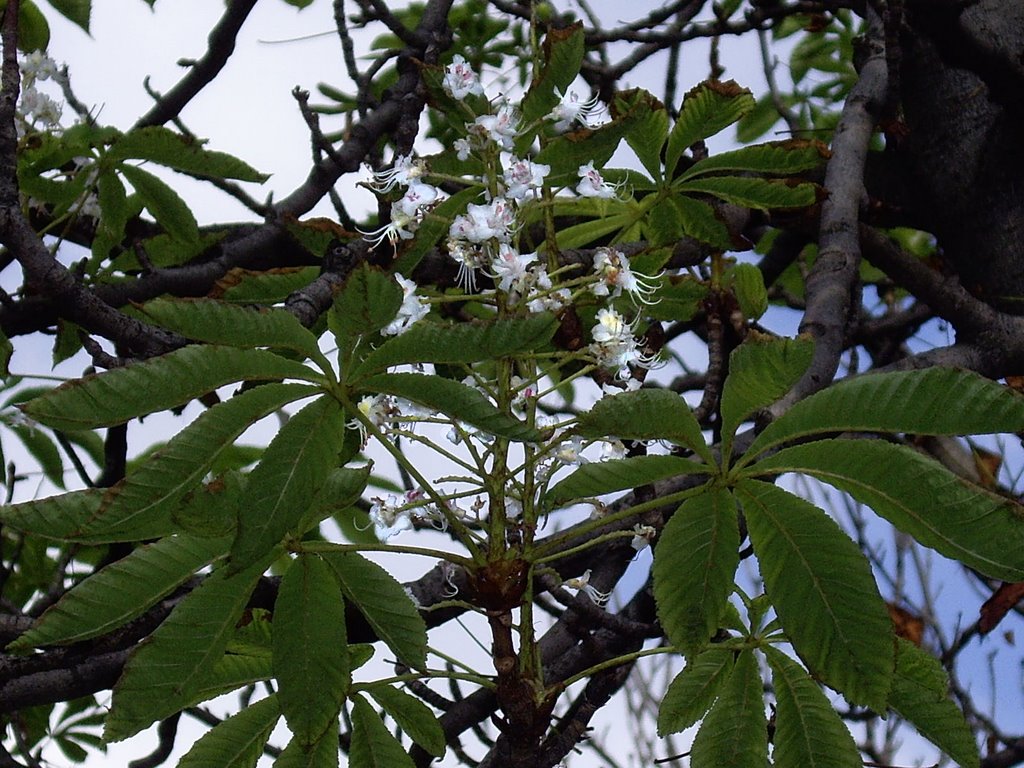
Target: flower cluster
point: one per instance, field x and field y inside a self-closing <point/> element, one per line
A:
<point x="614" y="346"/>
<point x="35" y="107"/>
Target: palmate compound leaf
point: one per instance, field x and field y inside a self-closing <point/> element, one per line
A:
<point x="386" y="606"/>
<point x="692" y="692"/>
<point x="427" y="342"/>
<point x="735" y="731"/>
<point x="823" y="592"/>
<point x="596" y="479"/>
<point x="412" y="716"/>
<point x="166" y="670"/>
<point x="373" y="745"/>
<point x="920" y="694"/>
<point x="281" y="488"/>
<point x="454" y="399"/>
<point x="154" y="490"/>
<point x="808" y="731"/>
<point x="934" y="401"/>
<point x="121" y="591"/>
<point x="647" y="414"/>
<point x="919" y="496"/>
<point x="694" y="565"/>
<point x="761" y="370"/>
<point x="220" y="322"/>
<point x="238" y="741"/>
<point x="310" y="648"/>
<point x="154" y="385"/>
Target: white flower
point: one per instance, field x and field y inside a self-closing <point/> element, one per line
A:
<point x="413" y="308"/>
<point x="611" y="327"/>
<point x="469" y="258"/>
<point x="501" y="128"/>
<point x="570" y="452"/>
<point x="614" y="346"/>
<point x="570" y="110"/>
<point x="36" y="107"/>
<point x="592" y="184"/>
<point x="37" y="66"/>
<point x="90" y="206"/>
<point x="417" y="196"/>
<point x="642" y="536"/>
<point x="389" y="518"/>
<point x="582" y="583"/>
<point x="613" y="268"/>
<point x="511" y="269"/>
<point x="462" y="149"/>
<point x="484" y="222"/>
<point x="401" y="227"/>
<point x="523" y="177"/>
<point x="405" y="170"/>
<point x="460" y="80"/>
<point x="613" y="449"/>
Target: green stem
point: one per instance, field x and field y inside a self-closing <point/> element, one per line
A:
<point x="329" y="546"/>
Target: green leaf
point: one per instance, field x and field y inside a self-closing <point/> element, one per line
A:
<point x="42" y="448"/>
<point x="692" y="692"/>
<point x="609" y="220"/>
<point x="238" y="741"/>
<point x="761" y="370"/>
<point x="920" y="694"/>
<point x="167" y="207"/>
<point x="647" y="414"/>
<point x="182" y="153"/>
<point x="453" y="399"/>
<point x="677" y="299"/>
<point x="218" y="322"/>
<point x="65" y="516"/>
<point x="154" y="489"/>
<point x="164" y="672"/>
<point x="808" y="731"/>
<point x="373" y="746"/>
<point x="158" y="384"/>
<point x="33" y="29"/>
<point x="384" y="603"/>
<point x="935" y="401"/>
<point x="782" y="158"/>
<point x="75" y="11"/>
<point x="758" y="121"/>
<point x="694" y="566"/>
<point x="735" y="732"/>
<point x="759" y="194"/>
<point x="748" y="285"/>
<point x="599" y="478"/>
<point x="707" y="109"/>
<point x="700" y="222"/>
<point x="321" y="754"/>
<point x="340" y="491"/>
<point x="281" y="488"/>
<point x="6" y="350"/>
<point x="367" y="302"/>
<point x="412" y="716"/>
<point x="648" y="136"/>
<point x="121" y="591"/>
<point x="920" y="497"/>
<point x="823" y="591"/>
<point x="310" y="648"/>
<point x="427" y="342"/>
